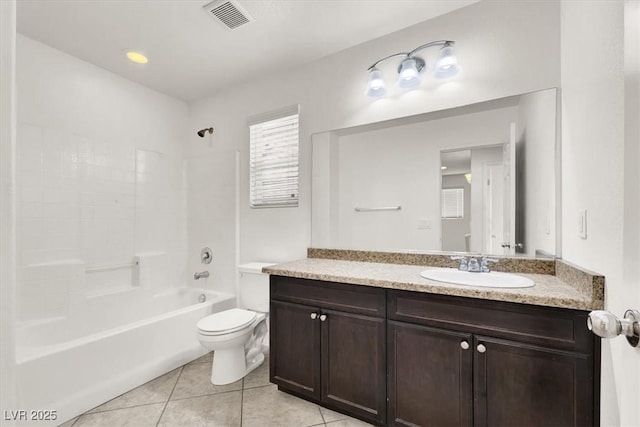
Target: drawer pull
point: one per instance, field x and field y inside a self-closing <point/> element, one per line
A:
<point x="464" y="345"/>
<point x="314" y="316"/>
<point x="323" y="317"/>
<point x="481" y="348"/>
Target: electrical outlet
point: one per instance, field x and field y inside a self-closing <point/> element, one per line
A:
<point x="582" y="224"/>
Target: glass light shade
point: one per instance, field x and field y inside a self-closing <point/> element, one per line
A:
<point x="409" y="76"/>
<point x="375" y="85"/>
<point x="447" y="64"/>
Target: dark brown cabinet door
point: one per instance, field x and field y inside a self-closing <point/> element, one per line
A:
<point x="430" y="376"/>
<point x="295" y="348"/>
<point x="523" y="385"/>
<point x="354" y="364"/>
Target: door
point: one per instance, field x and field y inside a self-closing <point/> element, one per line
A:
<point x="354" y="364"/>
<point x="295" y="348"/>
<point x="509" y="190"/>
<point x="430" y="376"/>
<point x="523" y="385"/>
<point x="493" y="207"/>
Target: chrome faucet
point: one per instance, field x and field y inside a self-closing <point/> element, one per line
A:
<point x="201" y="275"/>
<point x="472" y="265"/>
<point x="463" y="262"/>
<point x="484" y="264"/>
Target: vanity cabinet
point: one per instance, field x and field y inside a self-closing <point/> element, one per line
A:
<point x="455" y="361"/>
<point x="404" y="358"/>
<point x="327" y="344"/>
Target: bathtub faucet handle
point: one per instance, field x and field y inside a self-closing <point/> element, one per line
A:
<point x="200" y="275"/>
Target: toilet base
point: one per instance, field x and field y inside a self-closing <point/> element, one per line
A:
<point x="232" y="365"/>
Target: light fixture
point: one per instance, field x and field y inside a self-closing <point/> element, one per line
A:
<point x="136" y="57"/>
<point x="375" y="84"/>
<point x="411" y="66"/>
<point x="447" y="64"/>
<point x="468" y="177"/>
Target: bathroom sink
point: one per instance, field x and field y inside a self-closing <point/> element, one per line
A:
<point x="493" y="279"/>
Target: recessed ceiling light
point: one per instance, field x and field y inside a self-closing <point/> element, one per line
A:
<point x="137" y="57"/>
<point x="443" y="167"/>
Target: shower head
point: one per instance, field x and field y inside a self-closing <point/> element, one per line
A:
<point x="201" y="132"/>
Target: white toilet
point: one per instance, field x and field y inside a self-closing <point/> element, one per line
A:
<point x="236" y="336"/>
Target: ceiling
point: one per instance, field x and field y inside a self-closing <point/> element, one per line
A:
<point x="457" y="162"/>
<point x="191" y="55"/>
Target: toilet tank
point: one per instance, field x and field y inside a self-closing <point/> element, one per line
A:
<point x="254" y="286"/>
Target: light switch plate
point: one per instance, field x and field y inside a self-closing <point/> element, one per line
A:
<point x="424" y="224"/>
<point x="582" y="224"/>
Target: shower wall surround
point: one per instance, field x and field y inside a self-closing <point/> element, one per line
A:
<point x="100" y="184"/>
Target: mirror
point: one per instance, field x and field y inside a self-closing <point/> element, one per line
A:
<point x="478" y="178"/>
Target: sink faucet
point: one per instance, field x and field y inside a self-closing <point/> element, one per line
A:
<point x="201" y="275"/>
<point x="472" y="265"/>
<point x="484" y="264"/>
<point x="463" y="262"/>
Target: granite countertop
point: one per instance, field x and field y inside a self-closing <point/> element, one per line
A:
<point x="549" y="290"/>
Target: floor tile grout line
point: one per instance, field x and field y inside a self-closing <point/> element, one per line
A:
<point x="241" y="402"/>
<point x="170" y="394"/>
<point x="204" y="395"/>
<point x="321" y="415"/>
<point x="120" y="409"/>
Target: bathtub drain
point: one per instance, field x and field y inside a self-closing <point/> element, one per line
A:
<point x="202" y="298"/>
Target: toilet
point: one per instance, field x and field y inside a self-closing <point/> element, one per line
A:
<point x="236" y="335"/>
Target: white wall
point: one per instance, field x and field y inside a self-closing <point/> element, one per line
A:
<point x="595" y="177"/>
<point x="211" y="218"/>
<point x="100" y="180"/>
<point x="8" y="203"/>
<point x="501" y="54"/>
<point x="536" y="145"/>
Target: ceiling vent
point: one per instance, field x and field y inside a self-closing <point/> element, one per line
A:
<point x="229" y="13"/>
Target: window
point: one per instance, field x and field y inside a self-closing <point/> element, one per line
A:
<point x="452" y="203"/>
<point x="273" y="162"/>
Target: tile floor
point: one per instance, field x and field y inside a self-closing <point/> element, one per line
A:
<point x="186" y="397"/>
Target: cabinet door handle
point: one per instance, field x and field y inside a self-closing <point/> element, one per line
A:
<point x="323" y="317"/>
<point x="314" y="316"/>
<point x="464" y="345"/>
<point x="481" y="348"/>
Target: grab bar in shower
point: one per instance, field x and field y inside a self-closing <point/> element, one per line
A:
<point x="99" y="268"/>
<point x="377" y="209"/>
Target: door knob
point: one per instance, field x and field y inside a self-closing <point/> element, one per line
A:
<point x="323" y="317"/>
<point x="606" y="325"/>
<point x="314" y="316"/>
<point x="464" y="345"/>
<point x="481" y="348"/>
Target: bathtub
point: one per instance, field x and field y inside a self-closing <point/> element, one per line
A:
<point x="106" y="347"/>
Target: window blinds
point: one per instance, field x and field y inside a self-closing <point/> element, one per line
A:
<point x="452" y="203"/>
<point x="274" y="162"/>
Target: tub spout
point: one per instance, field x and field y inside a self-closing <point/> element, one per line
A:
<point x="201" y="275"/>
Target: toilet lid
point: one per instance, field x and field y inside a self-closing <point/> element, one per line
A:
<point x="226" y="321"/>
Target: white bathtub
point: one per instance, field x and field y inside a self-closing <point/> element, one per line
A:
<point x="109" y="345"/>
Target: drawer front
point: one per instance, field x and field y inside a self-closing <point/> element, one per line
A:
<point x="559" y="328"/>
<point x="336" y="296"/>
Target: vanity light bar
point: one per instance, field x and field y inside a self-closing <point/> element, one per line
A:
<point x="410" y="67"/>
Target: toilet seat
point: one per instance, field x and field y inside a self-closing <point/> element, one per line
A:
<point x="226" y="322"/>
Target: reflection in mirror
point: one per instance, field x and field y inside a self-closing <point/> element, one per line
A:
<point x="476" y="214"/>
<point x="479" y="178"/>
